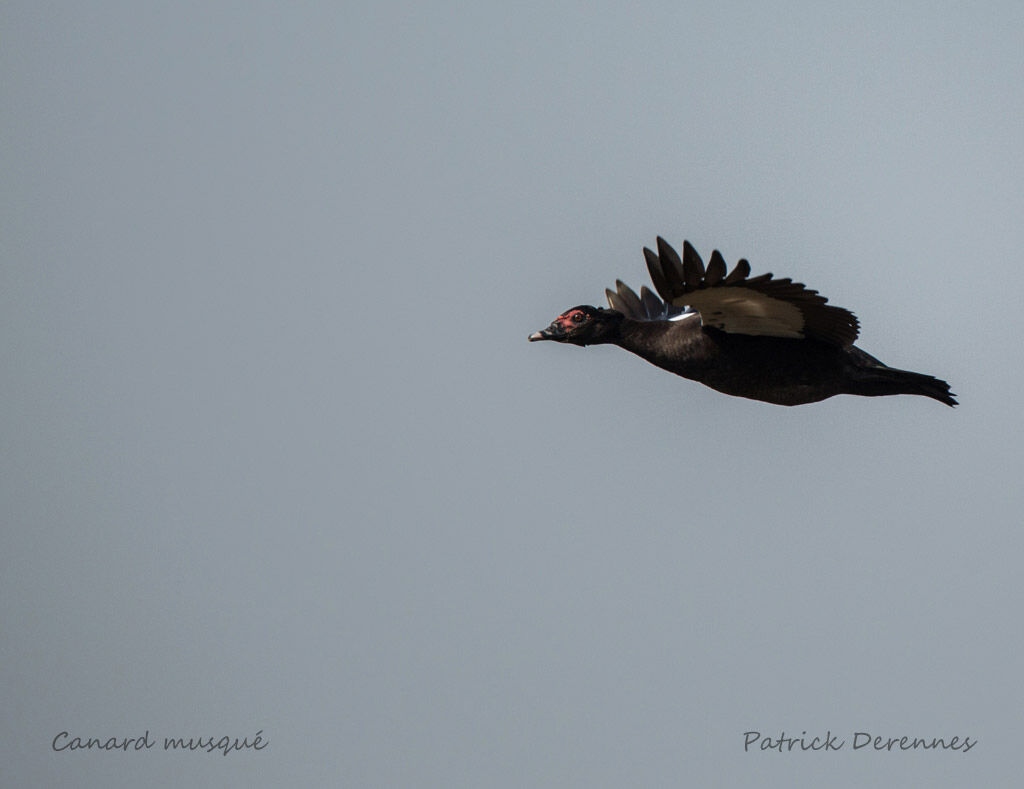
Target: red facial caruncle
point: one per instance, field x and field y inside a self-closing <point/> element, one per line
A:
<point x="570" y="319"/>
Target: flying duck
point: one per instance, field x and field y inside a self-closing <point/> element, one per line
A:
<point x="756" y="337"/>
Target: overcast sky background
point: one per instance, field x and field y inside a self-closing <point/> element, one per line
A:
<point x="276" y="454"/>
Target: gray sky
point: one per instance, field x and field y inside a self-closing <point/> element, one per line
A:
<point x="277" y="455"/>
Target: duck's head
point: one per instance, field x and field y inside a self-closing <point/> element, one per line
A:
<point x="582" y="325"/>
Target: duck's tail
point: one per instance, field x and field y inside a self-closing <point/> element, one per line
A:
<point x="876" y="381"/>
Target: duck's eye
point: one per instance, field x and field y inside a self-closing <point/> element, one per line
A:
<point x="578" y="317"/>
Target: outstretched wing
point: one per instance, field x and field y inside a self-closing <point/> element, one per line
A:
<point x="735" y="302"/>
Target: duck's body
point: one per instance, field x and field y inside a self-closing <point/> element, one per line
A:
<point x="764" y="339"/>
<point x="778" y="370"/>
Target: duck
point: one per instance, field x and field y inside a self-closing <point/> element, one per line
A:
<point x="761" y="338"/>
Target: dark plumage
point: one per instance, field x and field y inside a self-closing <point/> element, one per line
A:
<point x="758" y="337"/>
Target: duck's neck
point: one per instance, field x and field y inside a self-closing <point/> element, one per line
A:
<point x="679" y="346"/>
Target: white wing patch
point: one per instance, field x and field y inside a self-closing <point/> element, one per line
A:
<point x="740" y="310"/>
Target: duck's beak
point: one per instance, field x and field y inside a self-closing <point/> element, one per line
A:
<point x="545" y="334"/>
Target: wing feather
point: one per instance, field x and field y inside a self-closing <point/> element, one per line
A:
<point x="653" y="306"/>
<point x="693" y="267"/>
<point x="672" y="266"/>
<point x="716" y="269"/>
<point x="627" y="295"/>
<point x="657" y="274"/>
<point x="615" y="302"/>
<point x="741" y="272"/>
